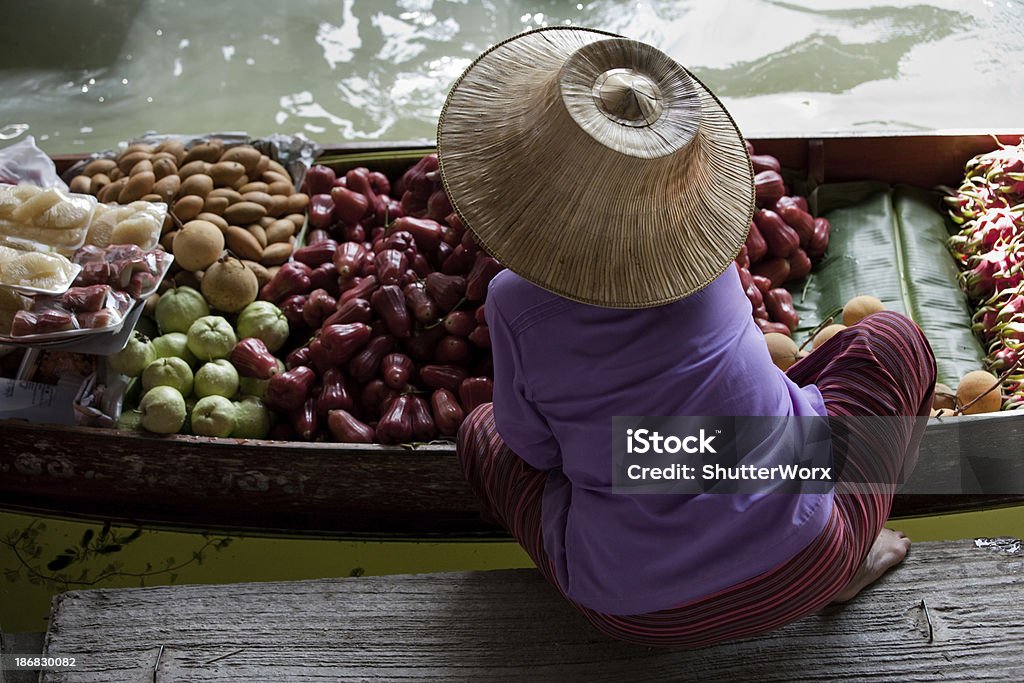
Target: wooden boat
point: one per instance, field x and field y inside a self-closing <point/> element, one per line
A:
<point x="331" y="489"/>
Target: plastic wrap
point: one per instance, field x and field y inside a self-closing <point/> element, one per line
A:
<point x="79" y="311"/>
<point x="23" y="162"/>
<point x="123" y="266"/>
<point x="137" y="223"/>
<point x="50" y="218"/>
<point x="29" y="270"/>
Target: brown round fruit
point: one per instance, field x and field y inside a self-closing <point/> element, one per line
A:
<point x="944" y="397"/>
<point x="197" y="245"/>
<point x="826" y="333"/>
<point x="974" y="384"/>
<point x="229" y="286"/>
<point x="860" y="307"/>
<point x="782" y="349"/>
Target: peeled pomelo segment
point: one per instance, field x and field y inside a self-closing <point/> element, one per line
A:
<point x="140" y="229"/>
<point x="29" y="209"/>
<point x="8" y="254"/>
<point x="45" y="264"/>
<point x="8" y="203"/>
<point x="13" y="196"/>
<point x="103" y="222"/>
<point x="48" y="283"/>
<point x="46" y="236"/>
<point x="34" y="269"/>
<point x="63" y="215"/>
<point x="49" y="217"/>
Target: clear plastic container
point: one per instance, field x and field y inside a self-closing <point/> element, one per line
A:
<point x="35" y="272"/>
<point x="83" y="311"/>
<point x="123" y="266"/>
<point x="48" y="218"/>
<point x="138" y="223"/>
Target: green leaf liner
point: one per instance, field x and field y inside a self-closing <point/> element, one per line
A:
<point x="889" y="242"/>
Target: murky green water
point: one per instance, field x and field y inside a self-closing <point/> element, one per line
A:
<point x="84" y="75"/>
<point x="41" y="557"/>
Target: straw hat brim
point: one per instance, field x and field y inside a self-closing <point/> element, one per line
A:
<point x="593" y="209"/>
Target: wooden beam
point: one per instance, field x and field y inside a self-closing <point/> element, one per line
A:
<point x="951" y="612"/>
<point x="329" y="489"/>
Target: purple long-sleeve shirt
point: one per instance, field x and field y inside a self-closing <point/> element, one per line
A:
<point x="563" y="369"/>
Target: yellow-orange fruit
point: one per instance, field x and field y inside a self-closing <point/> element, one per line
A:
<point x="197" y="245"/>
<point x="826" y="333"/>
<point x="974" y="384"/>
<point x="782" y="349"/>
<point x="860" y="307"/>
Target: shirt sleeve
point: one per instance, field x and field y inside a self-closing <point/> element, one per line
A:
<point x="520" y="424"/>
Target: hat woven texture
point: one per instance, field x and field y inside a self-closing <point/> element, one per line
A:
<point x="596" y="167"/>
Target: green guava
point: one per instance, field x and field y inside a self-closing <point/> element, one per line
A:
<point x="178" y="308"/>
<point x="265" y="321"/>
<point x="211" y="337"/>
<point x="162" y="410"/>
<point x="168" y="372"/>
<point x="134" y="357"/>
<point x="252" y="386"/>
<point x="213" y="416"/>
<point x="252" y="419"/>
<point x="130" y="420"/>
<point x="216" y="378"/>
<point x="174" y="345"/>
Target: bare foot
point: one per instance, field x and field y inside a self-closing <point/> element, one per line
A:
<point x="886" y="552"/>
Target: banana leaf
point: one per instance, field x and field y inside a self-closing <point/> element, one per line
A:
<point x="889" y="242"/>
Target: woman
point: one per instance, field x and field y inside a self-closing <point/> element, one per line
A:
<point x="617" y="190"/>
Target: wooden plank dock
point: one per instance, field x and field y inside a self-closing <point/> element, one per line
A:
<point x="951" y="612"/>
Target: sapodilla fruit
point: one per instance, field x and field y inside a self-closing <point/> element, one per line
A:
<point x="229" y="286"/>
<point x="197" y="245"/>
<point x="944" y="398"/>
<point x="826" y="333"/>
<point x="860" y="307"/>
<point x="782" y="349"/>
<point x="974" y="384"/>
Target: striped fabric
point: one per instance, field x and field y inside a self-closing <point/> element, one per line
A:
<point x="882" y="366"/>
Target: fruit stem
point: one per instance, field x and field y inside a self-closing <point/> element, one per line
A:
<point x="829" y="319"/>
<point x="959" y="410"/>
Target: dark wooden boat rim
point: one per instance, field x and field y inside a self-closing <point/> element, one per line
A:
<point x="345" y="490"/>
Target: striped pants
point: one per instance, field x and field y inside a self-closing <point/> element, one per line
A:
<point x="883" y="366"/>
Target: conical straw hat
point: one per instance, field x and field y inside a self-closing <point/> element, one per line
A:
<point x="596" y="167"/>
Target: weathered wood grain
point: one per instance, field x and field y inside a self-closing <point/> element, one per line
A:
<point x="952" y="612"/>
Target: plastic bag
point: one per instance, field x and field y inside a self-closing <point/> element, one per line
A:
<point x="23" y="162"/>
